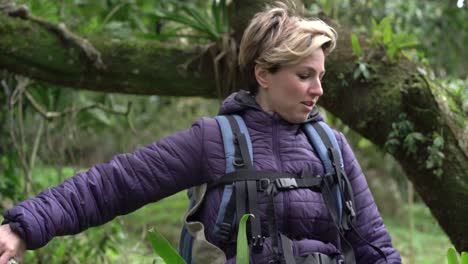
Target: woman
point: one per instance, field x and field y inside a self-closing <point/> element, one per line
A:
<point x="282" y="56"/>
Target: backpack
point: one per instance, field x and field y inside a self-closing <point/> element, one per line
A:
<point x="241" y="184"/>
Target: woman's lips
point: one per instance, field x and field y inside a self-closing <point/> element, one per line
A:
<point x="308" y="105"/>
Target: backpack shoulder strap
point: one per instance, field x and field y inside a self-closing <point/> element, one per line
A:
<point x="239" y="155"/>
<point x="232" y="127"/>
<point x="325" y="144"/>
<point x="336" y="189"/>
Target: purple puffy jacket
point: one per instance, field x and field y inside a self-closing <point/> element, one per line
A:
<point x="196" y="156"/>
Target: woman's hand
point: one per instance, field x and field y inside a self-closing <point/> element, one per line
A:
<point x="11" y="245"/>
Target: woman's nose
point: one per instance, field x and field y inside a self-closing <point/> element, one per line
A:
<point x="315" y="88"/>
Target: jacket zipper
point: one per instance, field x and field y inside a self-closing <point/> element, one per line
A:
<point x="276" y="153"/>
<point x="275" y="140"/>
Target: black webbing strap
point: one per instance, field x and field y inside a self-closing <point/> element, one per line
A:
<point x="272" y="225"/>
<point x="229" y="214"/>
<point x="255" y="228"/>
<point x="248" y="187"/>
<point x="240" y="190"/>
<point x="303" y="181"/>
<point x="335" y="159"/>
<point x="242" y="155"/>
<point x="237" y="202"/>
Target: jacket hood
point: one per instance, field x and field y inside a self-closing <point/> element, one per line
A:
<point x="241" y="101"/>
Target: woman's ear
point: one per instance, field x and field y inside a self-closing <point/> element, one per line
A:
<point x="261" y="75"/>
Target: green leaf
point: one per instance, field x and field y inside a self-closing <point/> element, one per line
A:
<point x="374" y="28"/>
<point x="364" y="70"/>
<point x="438" y="142"/>
<point x="418" y="136"/>
<point x="357" y="73"/>
<point x="356" y="46"/>
<point x="464" y="258"/>
<point x="202" y="20"/>
<point x="216" y="12"/>
<point x="408" y="45"/>
<point x="163" y="248"/>
<point x="392" y="53"/>
<point x="452" y="257"/>
<point x="242" y="256"/>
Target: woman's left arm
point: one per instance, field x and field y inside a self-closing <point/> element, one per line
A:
<point x="107" y="190"/>
<point x="369" y="223"/>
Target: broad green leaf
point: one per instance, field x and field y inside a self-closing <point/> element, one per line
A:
<point x="242" y="256"/>
<point x="356" y="46"/>
<point x="464" y="258"/>
<point x="452" y="256"/>
<point x="163" y="248"/>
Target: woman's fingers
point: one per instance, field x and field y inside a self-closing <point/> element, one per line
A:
<point x="11" y="245"/>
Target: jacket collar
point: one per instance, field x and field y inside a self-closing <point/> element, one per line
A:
<point x="245" y="100"/>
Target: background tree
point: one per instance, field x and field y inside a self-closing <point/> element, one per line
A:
<point x="380" y="86"/>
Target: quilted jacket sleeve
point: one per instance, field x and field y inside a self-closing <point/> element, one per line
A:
<point x="105" y="191"/>
<point x="369" y="223"/>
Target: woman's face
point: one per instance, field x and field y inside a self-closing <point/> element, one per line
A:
<point x="293" y="90"/>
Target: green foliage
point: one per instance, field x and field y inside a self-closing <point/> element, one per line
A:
<point x="436" y="156"/>
<point x="356" y="46"/>
<point x="242" y="253"/>
<point x="96" y="245"/>
<point x="207" y="25"/>
<point x="413" y="243"/>
<point x="452" y="257"/>
<point x="438" y="26"/>
<point x="9" y="171"/>
<point x="457" y="98"/>
<point x="403" y="136"/>
<point x="394" y="42"/>
<point x="412" y="140"/>
<point x="362" y="68"/>
<point x="400" y="130"/>
<point x="163" y="248"/>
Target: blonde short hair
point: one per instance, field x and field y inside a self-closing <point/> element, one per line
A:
<point x="279" y="36"/>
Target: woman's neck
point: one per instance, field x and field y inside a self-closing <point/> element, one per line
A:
<point x="263" y="103"/>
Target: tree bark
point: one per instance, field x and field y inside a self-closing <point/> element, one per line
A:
<point x="371" y="107"/>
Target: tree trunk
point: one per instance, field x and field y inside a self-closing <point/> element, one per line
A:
<point x="372" y="107"/>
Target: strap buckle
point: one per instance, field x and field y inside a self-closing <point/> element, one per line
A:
<point x="349" y="206"/>
<point x="224" y="232"/>
<point x="285" y="183"/>
<point x="263" y="184"/>
<point x="257" y="243"/>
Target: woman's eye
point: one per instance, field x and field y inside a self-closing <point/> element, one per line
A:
<point x="303" y="76"/>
